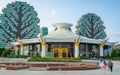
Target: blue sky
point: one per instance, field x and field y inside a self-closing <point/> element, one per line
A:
<point x="55" y="11"/>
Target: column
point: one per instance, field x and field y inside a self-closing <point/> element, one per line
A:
<point x="110" y="49"/>
<point x="16" y="50"/>
<point x="29" y="52"/>
<point x="43" y="49"/>
<point x="21" y="49"/>
<point x="101" y="49"/>
<point x="76" y="52"/>
<point x="35" y="46"/>
<point x="26" y="50"/>
<point x="86" y="47"/>
<point x="38" y="48"/>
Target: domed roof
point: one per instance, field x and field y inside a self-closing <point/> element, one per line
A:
<point x="62" y="25"/>
<point x="62" y="31"/>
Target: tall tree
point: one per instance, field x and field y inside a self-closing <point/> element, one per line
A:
<point x="90" y="25"/>
<point x="19" y="20"/>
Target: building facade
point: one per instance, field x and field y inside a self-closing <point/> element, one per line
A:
<point x="3" y="44"/>
<point x="62" y="43"/>
<point x="44" y="31"/>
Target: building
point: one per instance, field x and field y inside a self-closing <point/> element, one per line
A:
<point x="43" y="31"/>
<point x="2" y="44"/>
<point x="62" y="43"/>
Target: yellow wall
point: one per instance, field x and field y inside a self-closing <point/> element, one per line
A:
<point x="60" y="51"/>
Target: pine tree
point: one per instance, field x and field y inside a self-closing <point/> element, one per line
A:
<point x="19" y="20"/>
<point x="90" y="25"/>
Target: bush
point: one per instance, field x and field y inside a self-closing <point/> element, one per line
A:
<point x="115" y="52"/>
<point x="6" y="53"/>
<point x="23" y="56"/>
<point x="10" y="54"/>
<point x="16" y="56"/>
<point x="116" y="58"/>
<point x="84" y="57"/>
<point x="104" y="57"/>
<point x="1" y="51"/>
<point x="38" y="58"/>
<point x="108" y="57"/>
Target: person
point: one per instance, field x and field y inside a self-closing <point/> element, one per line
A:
<point x="104" y="64"/>
<point x="110" y="65"/>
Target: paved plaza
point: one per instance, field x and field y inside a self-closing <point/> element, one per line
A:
<point x="116" y="71"/>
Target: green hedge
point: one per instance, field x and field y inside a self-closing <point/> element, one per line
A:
<point x="105" y="57"/>
<point x="6" y="53"/>
<point x="108" y="57"/>
<point x="115" y="52"/>
<point x="84" y="57"/>
<point x="16" y="56"/>
<point x="1" y="51"/>
<point x="116" y="58"/>
<point x="38" y="58"/>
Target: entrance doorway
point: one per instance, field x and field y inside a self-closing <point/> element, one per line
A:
<point x="60" y="52"/>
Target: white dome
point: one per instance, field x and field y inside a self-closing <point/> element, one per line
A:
<point x="62" y="31"/>
<point x="62" y="25"/>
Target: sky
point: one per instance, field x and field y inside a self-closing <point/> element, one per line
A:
<point x="69" y="11"/>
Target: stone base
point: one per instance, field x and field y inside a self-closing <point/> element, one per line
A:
<point x="51" y="66"/>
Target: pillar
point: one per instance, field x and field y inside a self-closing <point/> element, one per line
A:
<point x="43" y="49"/>
<point x="38" y="48"/>
<point x="27" y="50"/>
<point x="76" y="52"/>
<point x="110" y="50"/>
<point x="86" y="47"/>
<point x="101" y="49"/>
<point x="21" y="49"/>
<point x="35" y="50"/>
<point x="16" y="50"/>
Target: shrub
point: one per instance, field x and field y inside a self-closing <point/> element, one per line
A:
<point x="6" y="53"/>
<point x="104" y="57"/>
<point x="116" y="58"/>
<point x="16" y="56"/>
<point x="38" y="58"/>
<point x="1" y="51"/>
<point x="84" y="57"/>
<point x="115" y="52"/>
<point x="23" y="56"/>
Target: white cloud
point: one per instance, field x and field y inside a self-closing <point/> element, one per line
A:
<point x="114" y="35"/>
<point x="117" y="34"/>
<point x="53" y="13"/>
